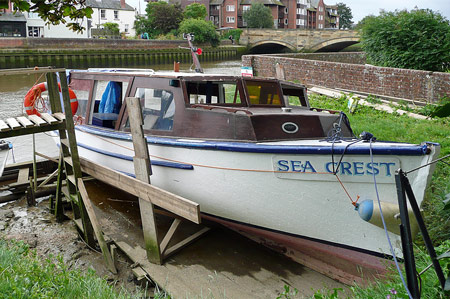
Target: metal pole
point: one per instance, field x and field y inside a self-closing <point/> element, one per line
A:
<point x="405" y="232"/>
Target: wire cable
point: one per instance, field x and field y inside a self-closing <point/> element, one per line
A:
<point x="384" y="225"/>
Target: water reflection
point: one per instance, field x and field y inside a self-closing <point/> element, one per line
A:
<point x="13" y="88"/>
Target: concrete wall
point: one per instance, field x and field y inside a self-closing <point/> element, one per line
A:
<point x="393" y="82"/>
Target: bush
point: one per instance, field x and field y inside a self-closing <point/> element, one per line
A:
<point x="204" y="31"/>
<point x="235" y="33"/>
<point x="419" y="39"/>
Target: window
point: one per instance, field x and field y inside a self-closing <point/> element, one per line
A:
<point x="211" y="18"/>
<point x="300" y="22"/>
<point x="320" y="8"/>
<point x="116" y="15"/>
<point x="301" y="11"/>
<point x="320" y="26"/>
<point x="301" y="1"/>
<point x="286" y="10"/>
<point x="102" y="13"/>
<point x="246" y="8"/>
<point x="216" y="93"/>
<point x="158" y="108"/>
<point x="263" y="93"/>
<point x="35" y="31"/>
<point x="230" y="7"/>
<point x="126" y="28"/>
<point x="230" y="19"/>
<point x="320" y="17"/>
<point x="286" y="21"/>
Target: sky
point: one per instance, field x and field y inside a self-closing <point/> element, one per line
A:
<point x="361" y="8"/>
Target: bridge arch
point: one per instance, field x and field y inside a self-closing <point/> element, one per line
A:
<point x="277" y="42"/>
<point x="335" y="44"/>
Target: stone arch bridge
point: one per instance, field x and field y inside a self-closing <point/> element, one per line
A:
<point x="300" y="39"/>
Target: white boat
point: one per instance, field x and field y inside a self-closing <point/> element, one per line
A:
<point x="286" y="175"/>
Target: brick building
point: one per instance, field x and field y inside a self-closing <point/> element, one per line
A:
<point x="288" y="14"/>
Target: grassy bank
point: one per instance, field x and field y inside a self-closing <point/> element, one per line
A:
<point x="394" y="127"/>
<point x="25" y="275"/>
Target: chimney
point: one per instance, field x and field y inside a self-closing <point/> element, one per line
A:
<point x="122" y="3"/>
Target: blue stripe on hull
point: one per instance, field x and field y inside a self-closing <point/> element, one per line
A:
<point x="248" y="147"/>
<point x="130" y="158"/>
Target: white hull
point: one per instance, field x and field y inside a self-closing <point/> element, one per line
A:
<point x="257" y="189"/>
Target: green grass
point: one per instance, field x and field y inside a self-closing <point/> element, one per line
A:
<point x="25" y="275"/>
<point x="394" y="127"/>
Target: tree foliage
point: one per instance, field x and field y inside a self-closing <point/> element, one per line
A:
<point x="345" y="16"/>
<point x="111" y="28"/>
<point x="204" y="31"/>
<point x="195" y="11"/>
<point x="55" y="12"/>
<point x="419" y="39"/>
<point x="161" y="18"/>
<point x="258" y="16"/>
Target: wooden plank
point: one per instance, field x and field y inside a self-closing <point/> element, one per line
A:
<point x="24" y="174"/>
<point x="4" y="126"/>
<point x="25" y="122"/>
<point x="169" y="234"/>
<point x="12" y="122"/>
<point x="59" y="115"/>
<point x="27" y="71"/>
<point x="96" y="226"/>
<point x="162" y="198"/>
<point x="185" y="242"/>
<point x="139" y="273"/>
<point x="48" y="118"/>
<point x="37" y="120"/>
<point x="30" y="130"/>
<point x="142" y="170"/>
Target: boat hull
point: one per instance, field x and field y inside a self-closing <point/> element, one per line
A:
<point x="290" y="197"/>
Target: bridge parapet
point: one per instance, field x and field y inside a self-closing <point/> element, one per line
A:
<point x="300" y="39"/>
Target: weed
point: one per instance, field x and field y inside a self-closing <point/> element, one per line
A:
<point x="287" y="293"/>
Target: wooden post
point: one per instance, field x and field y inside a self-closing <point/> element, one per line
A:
<point x="142" y="170"/>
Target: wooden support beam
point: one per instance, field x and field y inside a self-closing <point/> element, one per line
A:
<point x="96" y="226"/>
<point x="164" y="199"/>
<point x="142" y="170"/>
<point x="175" y="248"/>
<point x="169" y="234"/>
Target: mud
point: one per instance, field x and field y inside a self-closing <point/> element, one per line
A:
<point x="37" y="227"/>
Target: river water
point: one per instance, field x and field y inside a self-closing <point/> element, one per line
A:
<point x="13" y="88"/>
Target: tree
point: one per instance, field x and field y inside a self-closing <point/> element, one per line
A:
<point x="111" y="28"/>
<point x="258" y="16"/>
<point x="345" y="16"/>
<point x="195" y="11"/>
<point x="55" y="12"/>
<point x="419" y="39"/>
<point x="204" y="31"/>
<point x="161" y="18"/>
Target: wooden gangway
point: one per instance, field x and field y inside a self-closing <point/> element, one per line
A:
<point x="21" y="125"/>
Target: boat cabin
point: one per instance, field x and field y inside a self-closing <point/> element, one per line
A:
<point x="202" y="106"/>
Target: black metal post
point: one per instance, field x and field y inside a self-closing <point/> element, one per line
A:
<point x="405" y="232"/>
<point x="423" y="230"/>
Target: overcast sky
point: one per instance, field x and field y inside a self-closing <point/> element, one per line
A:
<point x="361" y="8"/>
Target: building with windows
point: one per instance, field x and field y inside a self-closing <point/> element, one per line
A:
<point x="12" y="24"/>
<point x="112" y="11"/>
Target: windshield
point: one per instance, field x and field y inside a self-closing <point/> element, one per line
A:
<point x="263" y="93"/>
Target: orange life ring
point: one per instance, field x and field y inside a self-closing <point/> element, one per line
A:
<point x="33" y="95"/>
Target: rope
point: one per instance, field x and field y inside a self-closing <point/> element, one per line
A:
<point x="384" y="224"/>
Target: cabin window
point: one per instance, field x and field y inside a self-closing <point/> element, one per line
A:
<point x="217" y="93"/>
<point x="107" y="99"/>
<point x="158" y="108"/>
<point x="294" y="96"/>
<point x="263" y="93"/>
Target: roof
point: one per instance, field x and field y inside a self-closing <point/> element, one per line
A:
<point x="12" y="17"/>
<point x="314" y="3"/>
<point x="108" y="4"/>
<point x="215" y="2"/>
<point x="265" y="2"/>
